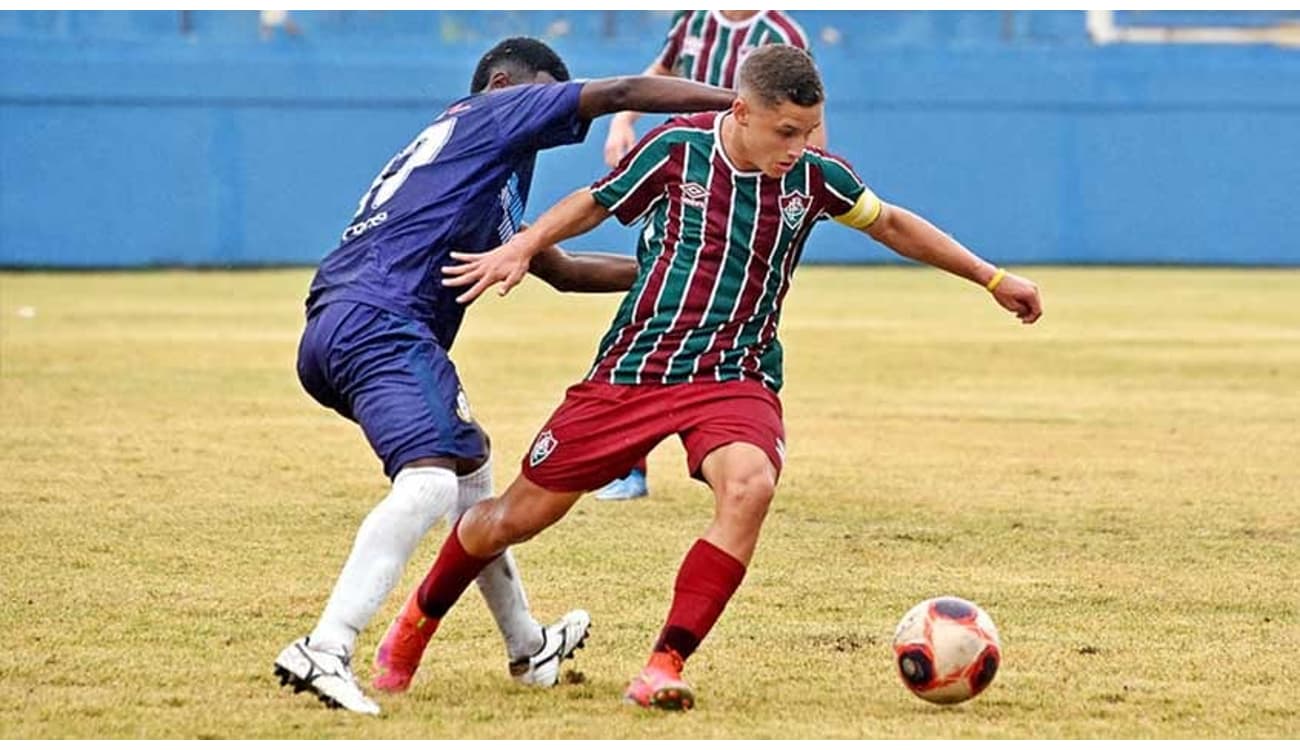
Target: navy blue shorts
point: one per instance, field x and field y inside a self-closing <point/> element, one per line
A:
<point x="389" y="374"/>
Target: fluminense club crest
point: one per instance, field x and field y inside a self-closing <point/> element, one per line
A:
<point x="793" y="207"/>
<point x="543" y="447"/>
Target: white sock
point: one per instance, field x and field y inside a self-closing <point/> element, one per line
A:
<point x="499" y="582"/>
<point x="385" y="542"/>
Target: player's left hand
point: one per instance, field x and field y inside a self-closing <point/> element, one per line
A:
<point x="506" y="265"/>
<point x="1020" y="296"/>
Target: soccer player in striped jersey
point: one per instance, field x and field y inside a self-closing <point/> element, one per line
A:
<point x="726" y="201"/>
<point x="706" y="46"/>
<point x="380" y="326"/>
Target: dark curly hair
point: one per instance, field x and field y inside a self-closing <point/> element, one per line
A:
<point x="520" y="55"/>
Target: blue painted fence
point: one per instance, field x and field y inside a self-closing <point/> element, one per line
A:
<point x="161" y="137"/>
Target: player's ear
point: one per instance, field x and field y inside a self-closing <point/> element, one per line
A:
<point x="740" y="111"/>
<point x="499" y="80"/>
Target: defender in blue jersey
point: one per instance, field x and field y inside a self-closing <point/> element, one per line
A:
<point x="380" y="325"/>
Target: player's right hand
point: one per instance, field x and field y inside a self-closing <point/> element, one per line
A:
<point x="621" y="139"/>
<point x="505" y="265"/>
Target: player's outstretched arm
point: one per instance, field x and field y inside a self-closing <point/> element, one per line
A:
<point x="911" y="236"/>
<point x="583" y="272"/>
<point x="507" y="264"/>
<point x="649" y="94"/>
<point x="622" y="126"/>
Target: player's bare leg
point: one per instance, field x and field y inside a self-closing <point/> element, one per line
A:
<point x="743" y="482"/>
<point x="523" y="511"/>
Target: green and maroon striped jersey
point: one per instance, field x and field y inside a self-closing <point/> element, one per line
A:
<point x="704" y="46"/>
<point x="715" y="255"/>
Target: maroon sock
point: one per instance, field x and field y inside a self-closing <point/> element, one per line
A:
<point x="641" y="465"/>
<point x="450" y="575"/>
<point x="705" y="582"/>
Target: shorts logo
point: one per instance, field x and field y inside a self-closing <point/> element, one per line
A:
<point x="693" y="193"/>
<point x="462" y="406"/>
<point x="542" y="448"/>
<point x="780" y="450"/>
<point x="793" y="207"/>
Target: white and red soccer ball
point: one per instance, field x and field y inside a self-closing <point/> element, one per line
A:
<point x="947" y="650"/>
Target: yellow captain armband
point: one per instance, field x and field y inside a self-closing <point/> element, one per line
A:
<point x="864" y="213"/>
<point x="997" y="279"/>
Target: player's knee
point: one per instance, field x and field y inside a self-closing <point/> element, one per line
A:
<point x="747" y="496"/>
<point x="423" y="494"/>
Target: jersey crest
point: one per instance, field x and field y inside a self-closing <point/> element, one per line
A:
<point x="793" y="207"/>
<point x="544" y="446"/>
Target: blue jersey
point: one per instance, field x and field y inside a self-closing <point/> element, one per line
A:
<point x="461" y="185"/>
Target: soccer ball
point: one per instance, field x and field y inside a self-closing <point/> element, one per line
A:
<point x="947" y="650"/>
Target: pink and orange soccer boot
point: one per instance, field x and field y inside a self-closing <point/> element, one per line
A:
<point x="660" y="684"/>
<point x="399" y="653"/>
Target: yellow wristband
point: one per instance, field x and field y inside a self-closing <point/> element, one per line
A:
<point x="997" y="279"/>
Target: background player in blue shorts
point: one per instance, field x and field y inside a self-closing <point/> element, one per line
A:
<point x="380" y="324"/>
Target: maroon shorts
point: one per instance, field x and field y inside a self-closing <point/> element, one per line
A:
<point x="601" y="430"/>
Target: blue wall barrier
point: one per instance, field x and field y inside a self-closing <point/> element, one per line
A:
<point x="137" y="138"/>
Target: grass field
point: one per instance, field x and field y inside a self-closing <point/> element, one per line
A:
<point x="1119" y="486"/>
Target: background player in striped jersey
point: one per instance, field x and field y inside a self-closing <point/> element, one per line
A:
<point x="706" y="46"/>
<point x="727" y="200"/>
<point x="379" y="327"/>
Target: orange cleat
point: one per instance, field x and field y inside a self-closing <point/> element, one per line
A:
<point x="660" y="684"/>
<point x="403" y="645"/>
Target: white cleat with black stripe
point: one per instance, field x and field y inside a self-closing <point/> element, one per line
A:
<point x="327" y="672"/>
<point x="559" y="641"/>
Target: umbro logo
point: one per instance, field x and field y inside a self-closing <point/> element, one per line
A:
<point x="694" y="193"/>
